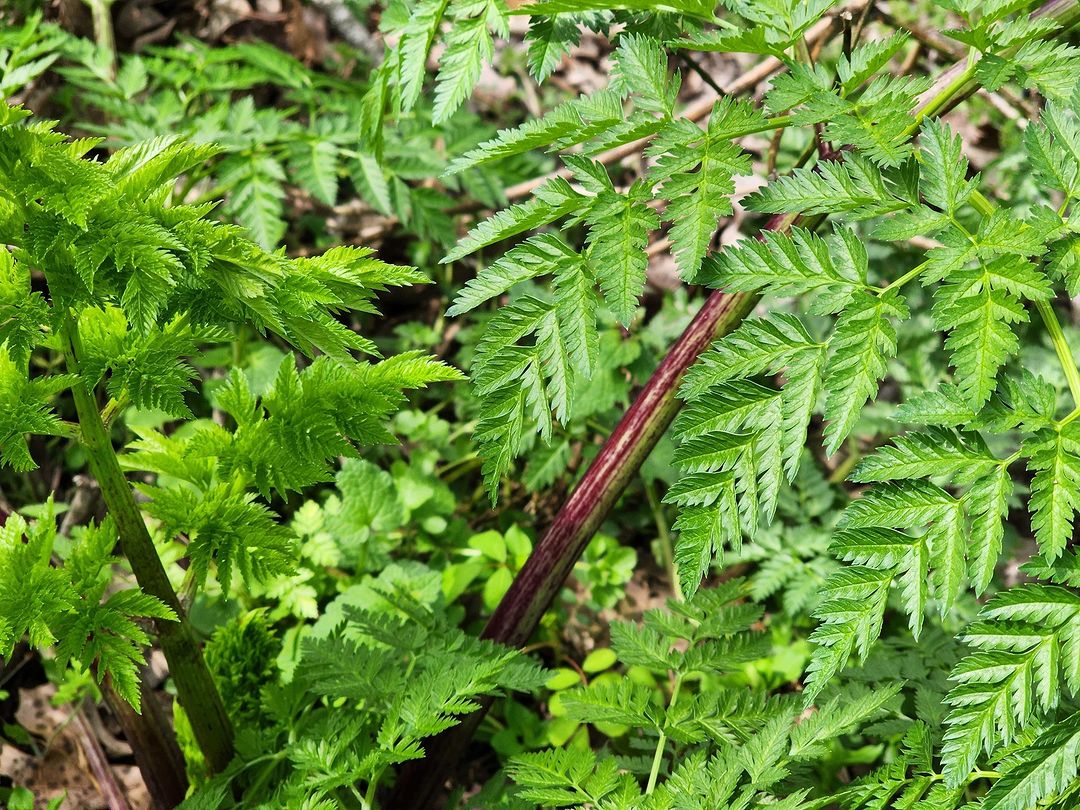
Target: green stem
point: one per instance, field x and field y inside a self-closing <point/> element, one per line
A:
<point x="194" y="684"/>
<point x="101" y="13"/>
<point x="802" y="51"/>
<point x="981" y="203"/>
<point x="1061" y="346"/>
<point x="1046" y="311"/>
<point x="904" y="279"/>
<point x="766" y="125"/>
<point x="373" y="785"/>
<point x="536" y="585"/>
<point x="840" y="474"/>
<point x="776" y="122"/>
<point x="955" y="88"/>
<point x="658" y="756"/>
<point x="266" y="772"/>
<point x="1071" y="417"/>
<point x="1005" y="463"/>
<point x="113" y="408"/>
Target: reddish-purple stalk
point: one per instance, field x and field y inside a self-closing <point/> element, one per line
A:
<point x="544" y="573"/>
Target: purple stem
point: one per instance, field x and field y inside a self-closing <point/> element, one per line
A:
<point x="536" y="585"/>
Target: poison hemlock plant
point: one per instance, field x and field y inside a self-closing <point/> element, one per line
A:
<point x="365" y="693"/>
<point x="66" y="604"/>
<point x="338" y="664"/>
<point x="539" y="350"/>
<point x="134" y="286"/>
<point x="931" y="523"/>
<point x="306" y="142"/>
<point x="932" y="520"/>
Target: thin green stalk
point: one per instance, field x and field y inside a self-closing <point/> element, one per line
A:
<point x="113" y="408"/>
<point x="1061" y="347"/>
<point x="266" y="772"/>
<point x="965" y="75"/>
<point x="194" y="684"/>
<point x="776" y="122"/>
<point x="553" y="557"/>
<point x="658" y="756"/>
<point x="981" y="203"/>
<point x="101" y="13"/>
<point x="766" y="125"/>
<point x="904" y="279"/>
<point x="373" y="786"/>
<point x="1005" y="463"/>
<point x="840" y="474"/>
<point x="1071" y="417"/>
<point x="1046" y="311"/>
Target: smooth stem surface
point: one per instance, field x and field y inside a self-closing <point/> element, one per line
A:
<point x="661" y="743"/>
<point x="618" y="462"/>
<point x="1061" y="346"/>
<point x="194" y="684"/>
<point x="539" y="581"/>
<point x="1046" y="311"/>
<point x="663" y="536"/>
<point x="101" y="13"/>
<point x="913" y="273"/>
<point x="958" y="82"/>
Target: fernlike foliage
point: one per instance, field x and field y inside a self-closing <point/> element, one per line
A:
<point x="540" y="348"/>
<point x="308" y="143"/>
<point x="929" y="522"/>
<point x="538" y="352"/>
<point x="135" y="287"/>
<point x="364" y="695"/>
<point x="67" y="605"/>
<point x="715" y="747"/>
<point x="138" y="280"/>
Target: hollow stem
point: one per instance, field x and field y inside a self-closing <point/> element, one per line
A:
<point x="194" y="684"/>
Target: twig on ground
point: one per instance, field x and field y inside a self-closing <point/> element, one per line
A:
<point x="692" y="63"/>
<point x="351" y="29"/>
<point x="98" y="762"/>
<point x="83" y="504"/>
<point x="1003" y="98"/>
